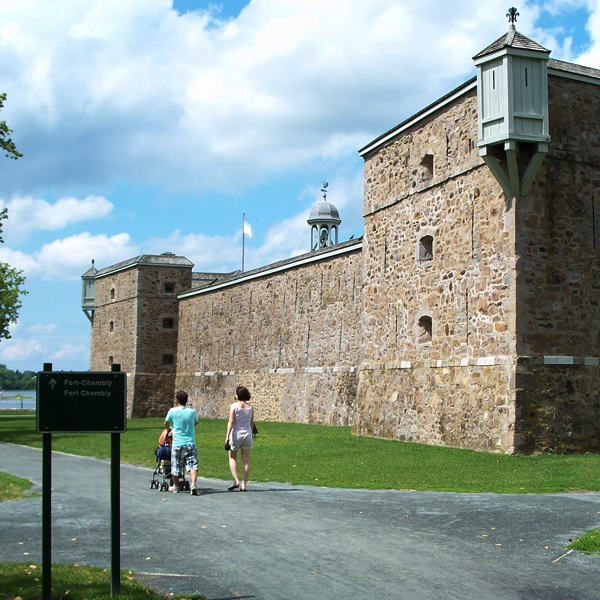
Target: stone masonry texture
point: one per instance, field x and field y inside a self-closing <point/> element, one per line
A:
<point x="462" y="318"/>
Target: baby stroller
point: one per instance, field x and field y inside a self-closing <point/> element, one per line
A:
<point x="161" y="478"/>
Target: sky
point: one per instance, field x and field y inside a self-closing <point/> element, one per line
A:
<point x="151" y="126"/>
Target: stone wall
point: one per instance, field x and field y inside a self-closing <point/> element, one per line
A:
<point x="291" y="337"/>
<point x="116" y="302"/>
<point x="128" y="329"/>
<point x="511" y="288"/>
<point x="319" y="396"/>
<point x="557" y="406"/>
<point x="452" y="405"/>
<point x="558" y="241"/>
<point x="449" y="385"/>
<point x="155" y="340"/>
<point x="463" y="318"/>
<point x="558" y="282"/>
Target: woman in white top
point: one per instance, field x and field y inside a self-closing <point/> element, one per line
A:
<point x="239" y="436"/>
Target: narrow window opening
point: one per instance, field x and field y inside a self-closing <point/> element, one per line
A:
<point x="427" y="162"/>
<point x="426" y="249"/>
<point x="112" y="293"/>
<point x="493" y="80"/>
<point x="110" y="360"/>
<point x="425" y="329"/>
<point x="169" y="288"/>
<point x="168" y="323"/>
<point x="111" y="326"/>
<point x="526" y="82"/>
<point x="168" y="359"/>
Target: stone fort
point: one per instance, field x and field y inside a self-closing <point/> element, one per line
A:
<point x="467" y="313"/>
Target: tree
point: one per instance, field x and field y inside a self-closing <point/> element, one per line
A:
<point x="11" y="279"/>
<point x="6" y="142"/>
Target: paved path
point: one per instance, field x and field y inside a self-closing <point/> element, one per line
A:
<point x="284" y="542"/>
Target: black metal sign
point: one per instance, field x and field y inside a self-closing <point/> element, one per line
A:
<point x="81" y="402"/>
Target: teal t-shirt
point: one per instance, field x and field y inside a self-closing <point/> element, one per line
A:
<point x="183" y="420"/>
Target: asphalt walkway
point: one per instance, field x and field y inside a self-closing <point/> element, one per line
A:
<point x="284" y="542"/>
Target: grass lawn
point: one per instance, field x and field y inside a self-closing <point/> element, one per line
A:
<point x="73" y="582"/>
<point x="14" y="488"/>
<point x="588" y="543"/>
<point x="333" y="457"/>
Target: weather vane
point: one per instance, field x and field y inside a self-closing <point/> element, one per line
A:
<point x="512" y="14"/>
<point x="324" y="190"/>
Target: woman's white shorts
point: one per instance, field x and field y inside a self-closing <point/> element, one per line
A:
<point x="242" y="440"/>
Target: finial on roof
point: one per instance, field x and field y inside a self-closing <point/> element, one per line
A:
<point x="324" y="190"/>
<point x="512" y="15"/>
<point x="93" y="262"/>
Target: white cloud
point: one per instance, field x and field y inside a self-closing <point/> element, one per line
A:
<point x="13" y="350"/>
<point x="29" y="214"/>
<point x="41" y="328"/>
<point x="70" y="351"/>
<point x="208" y="253"/>
<point x="70" y="257"/>
<point x="591" y="57"/>
<point x="18" y="260"/>
<point x="143" y="92"/>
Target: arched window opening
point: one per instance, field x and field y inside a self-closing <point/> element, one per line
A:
<point x="426" y="249"/>
<point x="425" y="328"/>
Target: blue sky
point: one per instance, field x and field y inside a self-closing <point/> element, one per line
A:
<point x="151" y="125"/>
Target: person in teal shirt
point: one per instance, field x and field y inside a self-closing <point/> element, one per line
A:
<point x="182" y="421"/>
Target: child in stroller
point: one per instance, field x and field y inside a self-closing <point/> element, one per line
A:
<point x="161" y="478"/>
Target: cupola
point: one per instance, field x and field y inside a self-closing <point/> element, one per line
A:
<point x="324" y="219"/>
<point x="512" y="99"/>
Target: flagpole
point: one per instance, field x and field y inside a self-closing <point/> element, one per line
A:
<point x="243" y="237"/>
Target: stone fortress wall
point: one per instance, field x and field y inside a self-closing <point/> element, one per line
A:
<point x="450" y="385"/>
<point x="463" y="317"/>
<point x="558" y="281"/>
<point x="292" y="337"/>
<point x="511" y="288"/>
<point x="136" y="325"/>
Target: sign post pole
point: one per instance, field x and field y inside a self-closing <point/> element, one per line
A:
<point x="115" y="504"/>
<point x="47" y="510"/>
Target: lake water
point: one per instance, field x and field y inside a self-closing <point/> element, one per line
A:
<point x="26" y="399"/>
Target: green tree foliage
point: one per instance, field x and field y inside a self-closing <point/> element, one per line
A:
<point x="11" y="279"/>
<point x="15" y="380"/>
<point x="6" y="142"/>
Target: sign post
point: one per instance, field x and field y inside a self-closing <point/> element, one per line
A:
<point x="81" y="402"/>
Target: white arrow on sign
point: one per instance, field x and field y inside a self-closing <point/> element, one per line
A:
<point x="52" y="383"/>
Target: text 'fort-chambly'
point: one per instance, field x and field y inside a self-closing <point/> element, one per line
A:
<point x="99" y="393"/>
